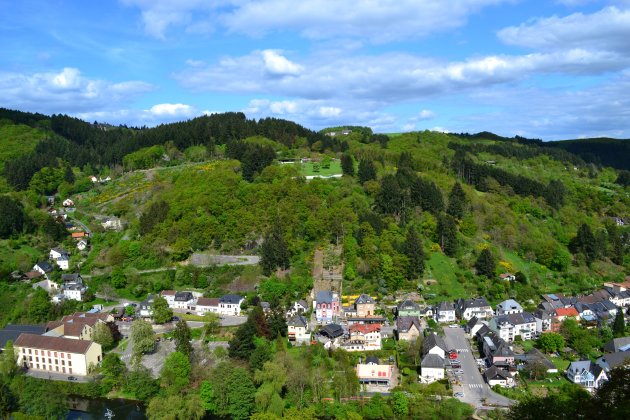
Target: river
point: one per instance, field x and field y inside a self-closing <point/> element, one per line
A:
<point x="93" y="409"/>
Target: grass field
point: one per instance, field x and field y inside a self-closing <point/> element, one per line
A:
<point x="307" y="169"/>
<point x="442" y="269"/>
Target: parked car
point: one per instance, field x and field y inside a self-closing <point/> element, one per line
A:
<point x="72" y="378"/>
<point x="459" y="394"/>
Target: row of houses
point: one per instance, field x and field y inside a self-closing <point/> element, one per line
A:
<point x="229" y="304"/>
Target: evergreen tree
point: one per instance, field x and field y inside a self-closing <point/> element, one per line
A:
<point x="155" y="214"/>
<point x="406" y="161"/>
<point x="274" y="252"/>
<point x="12" y="217"/>
<point x="415" y="254"/>
<point x="619" y="325"/>
<point x="555" y="193"/>
<point x="68" y="175"/>
<point x="367" y="171"/>
<point x="457" y="202"/>
<point x="584" y="243"/>
<point x="277" y="324"/>
<point x="347" y="164"/>
<point x="242" y="343"/>
<point x="390" y="198"/>
<point x="427" y="195"/>
<point x="182" y="338"/>
<point x="486" y="263"/>
<point x="447" y="235"/>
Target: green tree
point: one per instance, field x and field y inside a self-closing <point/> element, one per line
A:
<point x="347" y="164"/>
<point x="212" y="323"/>
<point x="367" y="170"/>
<point x="161" y="312"/>
<point x="242" y="343"/>
<point x="103" y="335"/>
<point x="486" y="263"/>
<point x="176" y="407"/>
<point x="415" y="254"/>
<point x="274" y="252"/>
<point x="140" y="383"/>
<point x="182" y="338"/>
<point x="391" y="273"/>
<point x="277" y="324"/>
<point x="130" y="310"/>
<point x="40" y="307"/>
<point x="400" y="404"/>
<point x="240" y="394"/>
<point x="619" y="325"/>
<point x="142" y="336"/>
<point x="584" y="243"/>
<point x="8" y="402"/>
<point x="447" y="235"/>
<point x="550" y="342"/>
<point x="390" y="198"/>
<point x="175" y="374"/>
<point x="555" y="194"/>
<point x="8" y="361"/>
<point x="457" y="202"/>
<point x="113" y="369"/>
<point x="155" y="214"/>
<point x="613" y="397"/>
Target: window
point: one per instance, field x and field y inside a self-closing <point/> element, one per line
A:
<point x="62" y="355"/>
<point x="48" y="353"/>
<point x="55" y="354"/>
<point x="69" y="363"/>
<point x="36" y="352"/>
<point x="63" y="363"/>
<point x="37" y="359"/>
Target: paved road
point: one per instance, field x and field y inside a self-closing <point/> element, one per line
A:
<point x="57" y="376"/>
<point x="476" y="390"/>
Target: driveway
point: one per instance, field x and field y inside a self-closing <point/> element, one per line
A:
<point x="476" y="390"/>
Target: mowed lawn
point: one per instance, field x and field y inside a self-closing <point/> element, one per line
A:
<point x="307" y="169"/>
<point x="442" y="269"/>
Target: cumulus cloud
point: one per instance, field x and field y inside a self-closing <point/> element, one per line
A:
<point x="156" y="114"/>
<point x="65" y="91"/>
<point x="607" y="29"/>
<point x="277" y="64"/>
<point x="426" y="114"/>
<point x="172" y="110"/>
<point x="376" y="20"/>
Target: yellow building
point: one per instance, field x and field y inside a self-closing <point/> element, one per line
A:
<point x="56" y="354"/>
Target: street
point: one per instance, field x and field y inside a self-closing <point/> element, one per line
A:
<point x="476" y="390"/>
<point x="56" y="376"/>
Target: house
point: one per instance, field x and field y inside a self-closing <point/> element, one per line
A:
<point x="508" y="327"/>
<point x="535" y="356"/>
<point x="299" y="307"/>
<point x="618" y="344"/>
<point x="182" y="300"/>
<point x="507" y="277"/>
<point x="63" y="262"/>
<point x="543" y="320"/>
<point x="497" y="350"/>
<point x="56" y="253"/>
<point x="434" y="344"/>
<point x="445" y="312"/>
<point x="76" y="327"/>
<point x="426" y="312"/>
<point x="230" y="304"/>
<point x="111" y="223"/>
<point x="204" y="305"/>
<point x="363" y="337"/>
<point x="497" y="376"/>
<point x="474" y="325"/>
<point x="431" y="368"/>
<point x="43" y="267"/>
<point x="509" y="306"/>
<point x="479" y="307"/>
<point x="408" y="328"/>
<point x="553" y="301"/>
<point x="72" y="286"/>
<point x="145" y="308"/>
<point x="326" y="306"/>
<point x="94" y="179"/>
<point x="12" y="331"/>
<point x="57" y="354"/>
<point x="330" y="335"/>
<point x="68" y="203"/>
<point x="48" y="285"/>
<point x="79" y="235"/>
<point x="620" y="293"/>
<point x="610" y="361"/>
<point x="364" y="306"/>
<point x="169" y="296"/>
<point x="298" y="331"/>
<point x="587" y="374"/>
<point x="82" y="245"/>
<point x="560" y="315"/>
<point x="375" y="375"/>
<point x="408" y="308"/>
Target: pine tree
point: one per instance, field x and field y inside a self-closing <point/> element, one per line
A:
<point x="486" y="263"/>
<point x="347" y="164"/>
<point x="274" y="252"/>
<point x="447" y="235"/>
<point x="584" y="243"/>
<point x="415" y="253"/>
<point x="182" y="338"/>
<point x="367" y="171"/>
<point x="457" y="202"/>
<point x="619" y="325"/>
<point x="554" y="194"/>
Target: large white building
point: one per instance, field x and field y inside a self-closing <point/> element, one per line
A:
<point x="298" y="331"/>
<point x="56" y="354"/>
<point x="225" y="305"/>
<point x="509" y="326"/>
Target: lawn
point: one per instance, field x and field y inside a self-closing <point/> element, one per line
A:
<point x="442" y="269"/>
<point x="561" y="364"/>
<point x="190" y="317"/>
<point x="307" y="169"/>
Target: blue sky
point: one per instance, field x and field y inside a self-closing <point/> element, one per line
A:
<point x="546" y="69"/>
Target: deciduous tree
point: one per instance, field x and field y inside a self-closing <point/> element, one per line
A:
<point x="142" y="336"/>
<point x="161" y="311"/>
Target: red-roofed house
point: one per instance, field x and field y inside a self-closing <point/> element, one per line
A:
<point x="561" y="314"/>
<point x="363" y="337"/>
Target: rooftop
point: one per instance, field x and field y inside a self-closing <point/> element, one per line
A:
<point x="53" y="343"/>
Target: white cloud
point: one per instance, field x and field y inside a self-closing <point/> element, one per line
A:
<point x="172" y="110"/>
<point x="156" y="114"/>
<point x="376" y="20"/>
<point x="426" y="114"/>
<point x="607" y="29"/>
<point x="329" y="111"/>
<point x="65" y="91"/>
<point x="277" y="64"/>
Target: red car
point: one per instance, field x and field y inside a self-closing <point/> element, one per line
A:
<point x="452" y="354"/>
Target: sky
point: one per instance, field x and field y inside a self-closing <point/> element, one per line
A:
<point x="549" y="69"/>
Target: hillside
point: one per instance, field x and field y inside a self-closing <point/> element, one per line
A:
<point x="415" y="216"/>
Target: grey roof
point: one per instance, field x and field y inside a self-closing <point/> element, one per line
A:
<point x="432" y="361"/>
<point x="408" y="305"/>
<point x="234" y="299"/>
<point x="74" y="277"/>
<point x="473" y="321"/>
<point x="616" y="344"/>
<point x="612" y="360"/>
<point x="404" y="323"/>
<point x="364" y="299"/>
<point x="331" y="330"/>
<point x="183" y="296"/>
<point x="303" y="303"/>
<point x="479" y="302"/>
<point x="494" y="372"/>
<point x="297" y="320"/>
<point x="445" y="306"/>
<point x="543" y="314"/>
<point x="509" y="304"/>
<point x="516" y="319"/>
<point x="45" y="265"/>
<point x="324" y="296"/>
<point x="536" y="356"/>
<point x="580" y="366"/>
<point x="371" y="359"/>
<point x="13" y="331"/>
<point x="503" y="349"/>
<point x="60" y="250"/>
<point x="433" y="340"/>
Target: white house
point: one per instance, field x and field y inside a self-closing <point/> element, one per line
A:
<point x="298" y="331"/>
<point x="182" y="300"/>
<point x="497" y="376"/>
<point x="63" y="262"/>
<point x="434" y="344"/>
<point x="73" y="287"/>
<point x="82" y="245"/>
<point x="43" y="267"/>
<point x="431" y="368"/>
<point x="479" y="307"/>
<point x="68" y="203"/>
<point x="299" y="307"/>
<point x="509" y="326"/>
<point x="587" y="374"/>
<point x="169" y="296"/>
<point x="230" y="304"/>
<point x="363" y="337"/>
<point x="445" y="312"/>
<point x="508" y="307"/>
<point x="205" y="305"/>
<point x="56" y="253"/>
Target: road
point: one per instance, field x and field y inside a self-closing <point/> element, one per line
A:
<point x="55" y="376"/>
<point x="476" y="390"/>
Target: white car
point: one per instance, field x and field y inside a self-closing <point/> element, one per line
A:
<point x="459" y="394"/>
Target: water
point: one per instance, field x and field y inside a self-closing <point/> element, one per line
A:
<point x="93" y="409"/>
